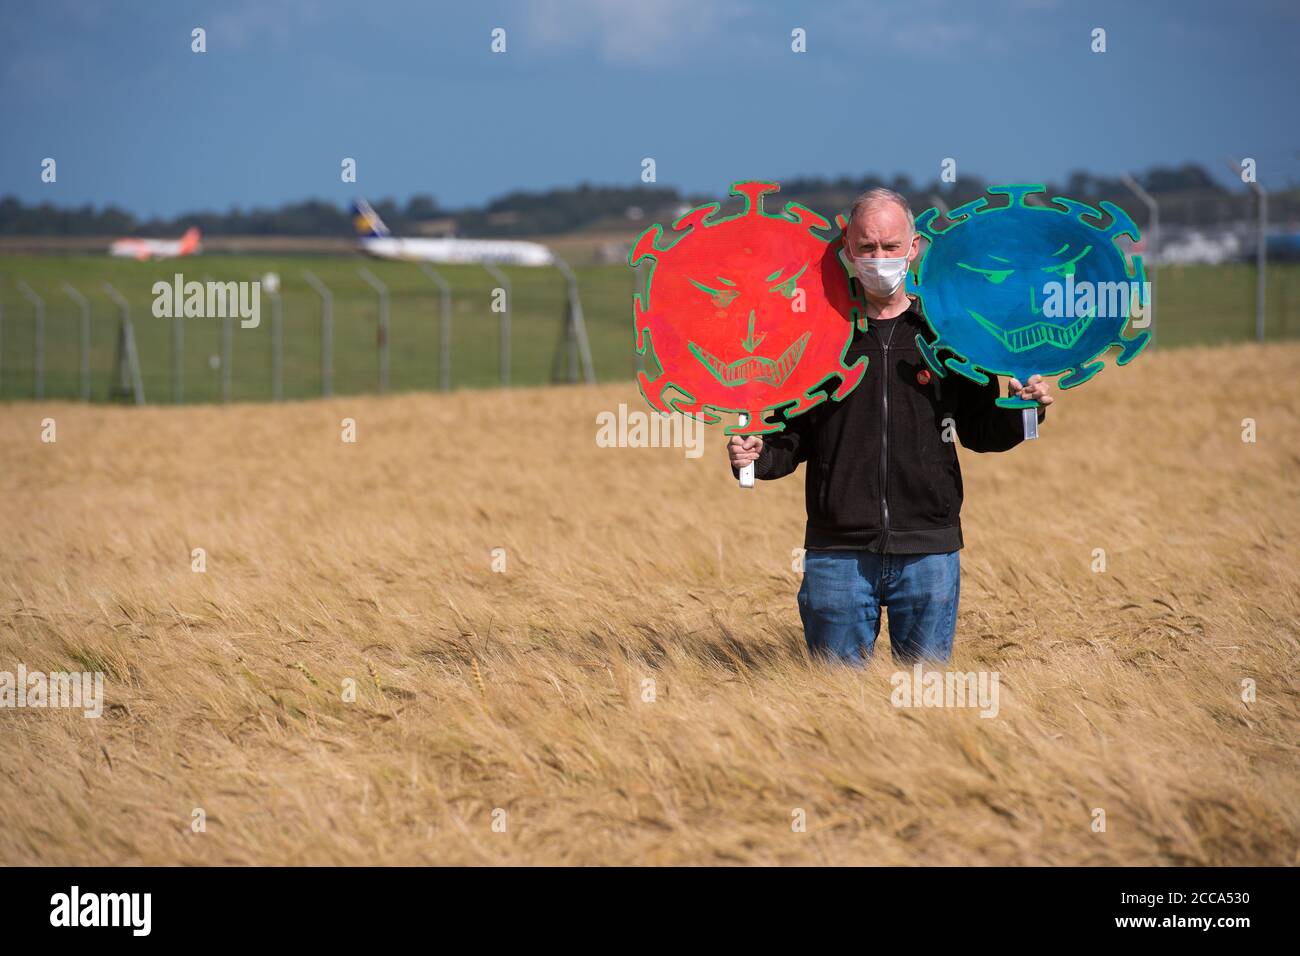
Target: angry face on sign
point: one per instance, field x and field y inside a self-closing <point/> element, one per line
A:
<point x="748" y="313"/>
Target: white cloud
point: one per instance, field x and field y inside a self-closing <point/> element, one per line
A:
<point x="933" y="27"/>
<point x="632" y="33"/>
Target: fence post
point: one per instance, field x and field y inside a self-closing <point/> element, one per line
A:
<point x="382" y="289"/>
<point x="505" y="322"/>
<point x="84" y="306"/>
<point x="227" y="354"/>
<point x="444" y="326"/>
<point x="574" y="335"/>
<point x="1153" y="243"/>
<point x="1261" y="246"/>
<point x="128" y="359"/>
<point x="227" y="347"/>
<point x="277" y="348"/>
<point x="326" y="333"/>
<point x="178" y="357"/>
<point x="38" y="305"/>
<point x="1261" y="255"/>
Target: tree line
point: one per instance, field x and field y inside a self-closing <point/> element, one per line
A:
<point x="1188" y="195"/>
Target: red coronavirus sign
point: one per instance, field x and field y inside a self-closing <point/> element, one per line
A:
<point x="747" y="313"/>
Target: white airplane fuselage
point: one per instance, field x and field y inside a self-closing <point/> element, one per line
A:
<point x="146" y="248"/>
<point x="499" y="251"/>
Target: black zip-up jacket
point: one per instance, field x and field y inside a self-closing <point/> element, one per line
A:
<point x="881" y="477"/>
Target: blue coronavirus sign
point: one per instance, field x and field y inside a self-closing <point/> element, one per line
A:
<point x="1018" y="289"/>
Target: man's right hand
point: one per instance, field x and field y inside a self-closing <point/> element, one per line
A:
<point x="743" y="451"/>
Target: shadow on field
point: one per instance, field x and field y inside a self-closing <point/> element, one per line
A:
<point x="720" y="648"/>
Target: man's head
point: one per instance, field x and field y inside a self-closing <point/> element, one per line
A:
<point x="881" y="226"/>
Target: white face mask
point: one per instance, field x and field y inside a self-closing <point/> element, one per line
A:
<point x="881" y="277"/>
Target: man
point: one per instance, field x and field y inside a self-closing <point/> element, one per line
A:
<point x="883" y="487"/>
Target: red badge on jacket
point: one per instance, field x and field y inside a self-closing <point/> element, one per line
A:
<point x="923" y="377"/>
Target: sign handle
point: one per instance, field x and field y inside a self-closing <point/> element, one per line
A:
<point x="746" y="471"/>
<point x="1030" y="417"/>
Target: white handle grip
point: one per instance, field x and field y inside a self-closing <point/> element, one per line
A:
<point x="746" y="471"/>
<point x="1030" y="418"/>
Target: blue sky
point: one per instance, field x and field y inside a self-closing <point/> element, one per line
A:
<point x="709" y="88"/>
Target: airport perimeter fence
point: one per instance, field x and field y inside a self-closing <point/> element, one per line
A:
<point x="338" y="327"/>
<point x="1210" y="259"/>
<point x="92" y="331"/>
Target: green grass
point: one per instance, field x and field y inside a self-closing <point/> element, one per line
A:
<point x="538" y="307"/>
<point x="1196" y="305"/>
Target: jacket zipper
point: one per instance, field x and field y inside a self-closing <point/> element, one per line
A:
<point x="884" y="434"/>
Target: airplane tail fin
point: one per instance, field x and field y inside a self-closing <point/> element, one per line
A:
<point x="190" y="241"/>
<point x="367" y="222"/>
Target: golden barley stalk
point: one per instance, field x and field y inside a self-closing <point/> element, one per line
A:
<point x="306" y="673"/>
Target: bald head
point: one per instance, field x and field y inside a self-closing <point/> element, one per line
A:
<point x="881" y="196"/>
<point x="881" y="226"/>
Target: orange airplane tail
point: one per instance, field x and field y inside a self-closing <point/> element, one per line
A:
<point x="190" y="241"/>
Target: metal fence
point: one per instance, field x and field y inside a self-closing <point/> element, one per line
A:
<point x="411" y="327"/>
<point x="1213" y="258"/>
<point x="89" y="331"/>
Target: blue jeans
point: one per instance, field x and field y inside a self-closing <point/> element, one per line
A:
<point x="843" y="591"/>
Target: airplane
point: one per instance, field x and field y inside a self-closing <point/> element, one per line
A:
<point x="1200" y="248"/>
<point x="144" y="249"/>
<point x="1283" y="245"/>
<point x="377" y="240"/>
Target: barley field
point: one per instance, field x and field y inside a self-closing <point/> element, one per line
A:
<point x="360" y="676"/>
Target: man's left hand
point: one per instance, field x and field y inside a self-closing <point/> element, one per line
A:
<point x="1035" y="390"/>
